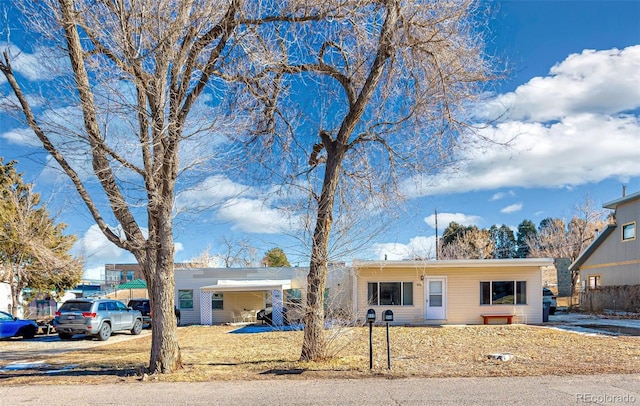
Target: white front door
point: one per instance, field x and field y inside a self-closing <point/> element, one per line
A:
<point x="435" y="294"/>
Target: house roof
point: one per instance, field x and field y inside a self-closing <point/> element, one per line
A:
<point x="615" y="203"/>
<point x="229" y="285"/>
<point x="584" y="255"/>
<point x="465" y="263"/>
<point x="134" y="284"/>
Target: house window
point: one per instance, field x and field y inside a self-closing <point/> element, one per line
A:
<point x="217" y="302"/>
<point x="595" y="282"/>
<point x="293" y="296"/>
<point x="390" y="293"/>
<point x="503" y="292"/>
<point x="628" y="231"/>
<point x="185" y="298"/>
<point x="130" y="275"/>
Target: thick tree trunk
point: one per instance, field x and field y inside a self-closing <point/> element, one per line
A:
<point x="314" y="345"/>
<point x="158" y="266"/>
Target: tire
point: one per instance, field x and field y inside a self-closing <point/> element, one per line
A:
<point x="137" y="327"/>
<point x="65" y="336"/>
<point x="178" y="320"/>
<point x="29" y="333"/>
<point x="105" y="332"/>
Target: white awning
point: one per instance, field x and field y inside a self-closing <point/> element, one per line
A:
<point x="229" y="285"/>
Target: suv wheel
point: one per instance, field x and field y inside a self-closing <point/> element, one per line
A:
<point x="137" y="327"/>
<point x="105" y="332"/>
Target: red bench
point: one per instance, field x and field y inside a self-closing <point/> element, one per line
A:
<point x="486" y="317"/>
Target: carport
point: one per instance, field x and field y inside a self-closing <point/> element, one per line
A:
<point x="209" y="315"/>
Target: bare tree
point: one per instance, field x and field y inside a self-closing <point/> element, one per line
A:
<point x="473" y="243"/>
<point x="130" y="86"/>
<point x="558" y="239"/>
<point x="376" y="94"/>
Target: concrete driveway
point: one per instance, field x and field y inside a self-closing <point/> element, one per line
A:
<point x="46" y="346"/>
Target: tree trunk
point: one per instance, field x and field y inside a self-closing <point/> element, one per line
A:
<point x="314" y="345"/>
<point x="158" y="266"/>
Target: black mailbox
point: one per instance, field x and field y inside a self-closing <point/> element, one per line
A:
<point x="371" y="315"/>
<point x="387" y="315"/>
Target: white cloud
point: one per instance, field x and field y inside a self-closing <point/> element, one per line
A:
<point x="502" y="195"/>
<point x="445" y="218"/>
<point x="512" y="208"/>
<point x="98" y="251"/>
<point x="254" y="216"/>
<point x="598" y="82"/>
<point x="419" y="246"/>
<point x="574" y="127"/>
<point x="210" y="192"/>
<point x="23" y="137"/>
<point x="42" y="64"/>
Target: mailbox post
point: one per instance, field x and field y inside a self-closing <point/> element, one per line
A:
<point x="371" y="318"/>
<point x="387" y="316"/>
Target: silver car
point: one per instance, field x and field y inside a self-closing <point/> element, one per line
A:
<point x="97" y="317"/>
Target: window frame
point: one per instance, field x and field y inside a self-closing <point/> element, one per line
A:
<point x="632" y="225"/>
<point x="218" y="298"/>
<point x="402" y="294"/>
<point x="182" y="302"/>
<point x="597" y="279"/>
<point x="519" y="289"/>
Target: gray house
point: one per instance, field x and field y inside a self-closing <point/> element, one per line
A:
<point x="610" y="267"/>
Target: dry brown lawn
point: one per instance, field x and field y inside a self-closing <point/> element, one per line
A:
<point x="211" y="353"/>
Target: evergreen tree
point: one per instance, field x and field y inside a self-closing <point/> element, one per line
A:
<point x="275" y="258"/>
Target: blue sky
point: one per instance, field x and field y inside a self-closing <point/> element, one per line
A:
<point x="572" y="97"/>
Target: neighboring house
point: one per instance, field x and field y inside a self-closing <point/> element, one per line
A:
<point x="5" y="297"/>
<point x="451" y="292"/>
<point x="223" y="295"/>
<point x="610" y="266"/>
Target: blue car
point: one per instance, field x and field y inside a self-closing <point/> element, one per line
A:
<point x="14" y="327"/>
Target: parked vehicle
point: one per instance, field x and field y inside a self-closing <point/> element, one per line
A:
<point x="99" y="317"/>
<point x="266" y="316"/>
<point x="144" y="306"/>
<point x="11" y="326"/>
<point x="549" y="297"/>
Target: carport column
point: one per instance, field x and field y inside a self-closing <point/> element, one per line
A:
<point x="206" y="313"/>
<point x="276" y="308"/>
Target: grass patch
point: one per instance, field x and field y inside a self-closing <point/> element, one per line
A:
<point x="211" y="353"/>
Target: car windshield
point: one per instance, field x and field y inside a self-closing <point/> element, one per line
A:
<point x="76" y="307"/>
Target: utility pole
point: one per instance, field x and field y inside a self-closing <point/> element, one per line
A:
<point x="436" y="214"/>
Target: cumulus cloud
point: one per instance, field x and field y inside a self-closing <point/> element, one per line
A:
<point x="255" y="216"/>
<point x="576" y="126"/>
<point x="512" y="208"/>
<point x="598" y="82"/>
<point x="97" y="251"/>
<point x="418" y="247"/>
<point x="446" y="218"/>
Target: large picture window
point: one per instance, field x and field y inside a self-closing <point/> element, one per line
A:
<point x="503" y="292"/>
<point x="390" y="293"/>
<point x="185" y="298"/>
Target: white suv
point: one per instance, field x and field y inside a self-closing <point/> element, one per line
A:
<point x="96" y="317"/>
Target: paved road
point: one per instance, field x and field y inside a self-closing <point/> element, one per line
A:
<point x="545" y="390"/>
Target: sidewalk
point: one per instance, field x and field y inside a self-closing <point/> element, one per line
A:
<point x="614" y="323"/>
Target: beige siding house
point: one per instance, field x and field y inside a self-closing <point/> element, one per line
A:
<point x="227" y="295"/>
<point x="451" y="292"/>
<point x="610" y="266"/>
